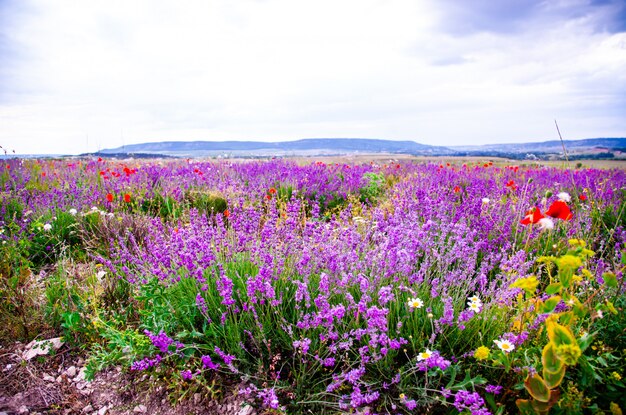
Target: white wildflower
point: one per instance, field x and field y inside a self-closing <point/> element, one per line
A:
<point x="416" y="303"/>
<point x="545" y="223"/>
<point x="424" y="355"/>
<point x="565" y="197"/>
<point x="505" y="345"/>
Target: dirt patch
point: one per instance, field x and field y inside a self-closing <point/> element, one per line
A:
<point x="56" y="384"/>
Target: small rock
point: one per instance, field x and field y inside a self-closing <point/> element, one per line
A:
<point x="85" y="392"/>
<point x="103" y="410"/>
<point x="71" y="371"/>
<point x="246" y="410"/>
<point x="196" y="398"/>
<point x="140" y="409"/>
<point x="46" y="377"/>
<point x="80" y="362"/>
<point x="22" y="409"/>
<point x="81" y="375"/>
<point x="87" y="409"/>
<point x="80" y="385"/>
<point x="59" y="379"/>
<point x="41" y="347"/>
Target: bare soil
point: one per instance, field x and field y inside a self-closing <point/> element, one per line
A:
<point x="55" y="384"/>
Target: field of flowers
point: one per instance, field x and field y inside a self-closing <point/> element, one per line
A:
<point x="328" y="288"/>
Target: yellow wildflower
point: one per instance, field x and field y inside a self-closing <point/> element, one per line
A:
<point x="568" y="353"/>
<point x="528" y="284"/>
<point x="616" y="376"/>
<point x="568" y="262"/>
<point x="577" y="242"/>
<point x="482" y="353"/>
<point x="615" y="409"/>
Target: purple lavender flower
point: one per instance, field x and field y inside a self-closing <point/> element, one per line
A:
<point x="270" y="400"/>
<point x="161" y="341"/>
<point x="207" y="363"/>
<point x="495" y="389"/>
<point x="302" y="345"/>
<point x="431" y="360"/>
<point x="201" y="304"/>
<point x="227" y="358"/>
<point x="470" y="400"/>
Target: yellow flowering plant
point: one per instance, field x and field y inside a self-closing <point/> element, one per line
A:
<point x="559" y="306"/>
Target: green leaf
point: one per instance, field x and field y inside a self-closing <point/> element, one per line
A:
<point x="537" y="388"/>
<point x="550" y="304"/>
<point x="525" y="407"/>
<point x="554" y="288"/>
<point x="559" y="334"/>
<point x="585" y="341"/>
<point x="554" y="379"/>
<point x="550" y="360"/>
<point x="610" y="280"/>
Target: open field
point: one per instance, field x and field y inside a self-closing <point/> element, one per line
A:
<point x="383" y="284"/>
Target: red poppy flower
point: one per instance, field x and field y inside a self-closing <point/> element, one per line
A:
<point x="532" y="216"/>
<point x="457" y="189"/>
<point x="560" y="210"/>
<point x="109" y="197"/>
<point x="127" y="198"/>
<point x="226" y="213"/>
<point x="99" y="158"/>
<point x="272" y="190"/>
<point x="268" y="197"/>
<point x="511" y="184"/>
<point x="582" y="198"/>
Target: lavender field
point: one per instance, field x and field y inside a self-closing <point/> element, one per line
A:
<point x="398" y="288"/>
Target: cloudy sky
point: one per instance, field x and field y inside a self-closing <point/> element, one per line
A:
<point x="77" y="76"/>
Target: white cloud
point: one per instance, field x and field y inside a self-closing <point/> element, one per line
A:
<point x="96" y="74"/>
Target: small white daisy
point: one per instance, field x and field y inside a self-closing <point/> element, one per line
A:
<point x="416" y="303"/>
<point x="475" y="299"/>
<point x="47" y="227"/>
<point x="73" y="212"/>
<point x="505" y="345"/>
<point x="424" y="355"/>
<point x="475" y="307"/>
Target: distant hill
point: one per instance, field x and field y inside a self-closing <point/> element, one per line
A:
<point x="588" y="148"/>
<point x="308" y="146"/>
